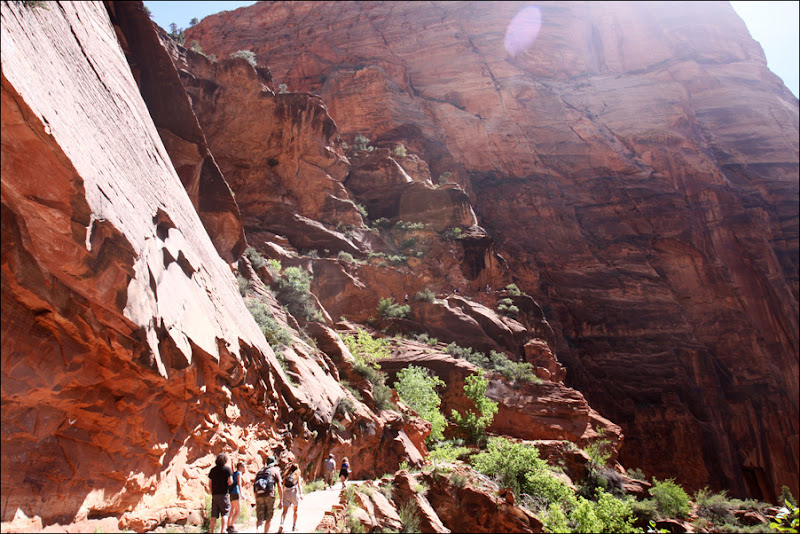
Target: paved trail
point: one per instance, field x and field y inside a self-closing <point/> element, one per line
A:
<point x="310" y="512"/>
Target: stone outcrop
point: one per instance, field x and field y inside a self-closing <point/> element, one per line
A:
<point x="636" y="164"/>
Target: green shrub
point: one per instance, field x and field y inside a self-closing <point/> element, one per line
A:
<point x="554" y="519"/>
<point x="361" y="142"/>
<point x="275" y="334"/>
<point x="383" y="222"/>
<point x="408" y="243"/>
<point x="447" y="452"/>
<point x="382" y="395"/>
<point x="256" y="259"/>
<point x="387" y="489"/>
<point x="459" y="480"/>
<point x="445" y="177"/>
<point x="671" y="499"/>
<point x="409" y="516"/>
<point x="345" y="406"/>
<point x="282" y="88"/>
<point x="509" y="463"/>
<point x="545" y="488"/>
<point x="452" y="234"/>
<point x="600" y="450"/>
<point x="513" y="290"/>
<point x="475" y="420"/>
<point x="615" y="514"/>
<point x="387" y="308"/>
<point x="416" y="387"/>
<point x="644" y="511"/>
<point x="274" y="267"/>
<point x="294" y="291"/>
<point x="507" y="308"/>
<point x="346" y="257"/>
<point x="400" y="151"/>
<point x="512" y="370"/>
<point x="397" y="259"/>
<point x="243" y="284"/>
<point x="408" y="226"/>
<point x="787" y="498"/>
<point x="365" y="348"/>
<point x="247" y="55"/>
<point x="426" y="295"/>
<point x="362" y="210"/>
<point x="713" y="506"/>
<point x="636" y="473"/>
<point x="313" y="486"/>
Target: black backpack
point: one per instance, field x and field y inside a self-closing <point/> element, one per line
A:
<point x="264" y="483"/>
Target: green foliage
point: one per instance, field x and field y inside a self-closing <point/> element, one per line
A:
<point x="636" y="473"/>
<point x="294" y="291"/>
<point x="787" y="519"/>
<point x="787" y="497"/>
<point x="383" y="222"/>
<point x="256" y="259"/>
<point x="346" y="257"/>
<point x="509" y="462"/>
<point x="459" y="480"/>
<point x="510" y="369"/>
<point x="426" y="295"/>
<point x="554" y="519"/>
<point x="507" y="308"/>
<point x="513" y="290"/>
<point x="716" y="507"/>
<point x="362" y="210"/>
<point x="409" y="516"/>
<point x="311" y="487"/>
<point x="644" y="511"/>
<point x="445" y="177"/>
<point x="425" y="338"/>
<point x="276" y="335"/>
<point x="672" y="500"/>
<point x="195" y="46"/>
<point x="361" y="143"/>
<point x="282" y="88"/>
<point x="365" y="348"/>
<point x="388" y="308"/>
<point x="615" y="514"/>
<point x="599" y="451"/>
<point x="400" y="151"/>
<point x="545" y="488"/>
<point x="408" y="226"/>
<point x="193" y="22"/>
<point x="397" y="259"/>
<point x="452" y="234"/>
<point x="416" y="387"/>
<point x="345" y="406"/>
<point x="177" y="34"/>
<point x="447" y="452"/>
<point x="382" y="395"/>
<point x="274" y="266"/>
<point x="247" y="55"/>
<point x="387" y="489"/>
<point x="475" y="421"/>
<point x="244" y="285"/>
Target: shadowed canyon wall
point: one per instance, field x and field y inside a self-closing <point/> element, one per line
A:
<point x="638" y="167"/>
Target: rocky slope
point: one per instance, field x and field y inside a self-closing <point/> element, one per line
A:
<point x="637" y="166"/>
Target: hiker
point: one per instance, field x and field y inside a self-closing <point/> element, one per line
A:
<point x="237" y="495"/>
<point x="293" y="492"/>
<point x="406" y="297"/>
<point x="456" y="291"/>
<point x="344" y="472"/>
<point x="220" y="478"/>
<point x="267" y="481"/>
<point x="328" y="467"/>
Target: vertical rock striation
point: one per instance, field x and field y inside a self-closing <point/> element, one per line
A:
<point x="638" y="166"/>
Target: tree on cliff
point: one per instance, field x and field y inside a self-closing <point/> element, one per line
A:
<point x="416" y="387"/>
<point x="475" y="421"/>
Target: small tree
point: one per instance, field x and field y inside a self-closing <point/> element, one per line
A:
<point x="417" y="388"/>
<point x="248" y="55"/>
<point x="671" y="498"/>
<point x="400" y="151"/>
<point x="475" y="421"/>
<point x="193" y="22"/>
<point x="389" y="309"/>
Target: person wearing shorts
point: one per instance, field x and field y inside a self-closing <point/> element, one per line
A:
<point x="329" y="467"/>
<point x="236" y="496"/>
<point x="292" y="493"/>
<point x="344" y="472"/>
<point x="220" y="479"/>
<point x="265" y="503"/>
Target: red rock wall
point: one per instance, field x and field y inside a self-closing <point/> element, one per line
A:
<point x="638" y="167"/>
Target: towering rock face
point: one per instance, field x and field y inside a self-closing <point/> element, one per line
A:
<point x="637" y="164"/>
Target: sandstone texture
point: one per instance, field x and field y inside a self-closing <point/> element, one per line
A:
<point x="636" y="166"/>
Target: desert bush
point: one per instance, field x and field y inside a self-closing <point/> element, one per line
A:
<point x="275" y="334"/>
<point x="400" y="151"/>
<point x="365" y="348"/>
<point x="345" y="406"/>
<point x="447" y="452"/>
<point x="315" y="485"/>
<point x="445" y="177"/>
<point x="388" y="308"/>
<point x="636" y="473"/>
<point x="509" y="462"/>
<point x="459" y="480"/>
<point x="346" y="257"/>
<point x="545" y="488"/>
<point x="361" y="142"/>
<point x="282" y="88"/>
<point x="408" y="226"/>
<point x="248" y="55"/>
<point x="409" y="516"/>
<point x="452" y="234"/>
<point x="672" y="500"/>
<point x="255" y="257"/>
<point x="416" y="387"/>
<point x="510" y="369"/>
<point x="243" y="284"/>
<point x="507" y="308"/>
<point x="513" y="290"/>
<point x="294" y="291"/>
<point x="382" y="395"/>
<point x="426" y="295"/>
<point x="644" y="511"/>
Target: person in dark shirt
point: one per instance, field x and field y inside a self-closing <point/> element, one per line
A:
<point x="220" y="478"/>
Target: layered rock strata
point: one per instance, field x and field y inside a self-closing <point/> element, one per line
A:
<point x="637" y="164"/>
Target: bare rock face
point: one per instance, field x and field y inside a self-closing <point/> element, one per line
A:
<point x="637" y="165"/>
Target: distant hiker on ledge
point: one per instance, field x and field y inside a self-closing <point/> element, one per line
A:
<point x="456" y="291"/>
<point x="221" y="477"/>
<point x="406" y="298"/>
<point x="264" y="487"/>
<point x="328" y="468"/>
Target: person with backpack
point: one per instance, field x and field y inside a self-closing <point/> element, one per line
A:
<point x="266" y="486"/>
<point x="328" y="468"/>
<point x="344" y="472"/>
<point x="293" y="492"/>
<point x="220" y="479"/>
<point x="236" y="496"/>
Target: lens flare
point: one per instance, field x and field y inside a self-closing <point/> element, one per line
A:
<point x="522" y="30"/>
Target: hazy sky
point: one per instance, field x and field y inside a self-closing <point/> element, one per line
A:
<point x="773" y="24"/>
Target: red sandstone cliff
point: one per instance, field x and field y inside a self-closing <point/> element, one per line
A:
<point x="638" y="167"/>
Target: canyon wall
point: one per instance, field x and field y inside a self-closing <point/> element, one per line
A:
<point x="636" y="165"/>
